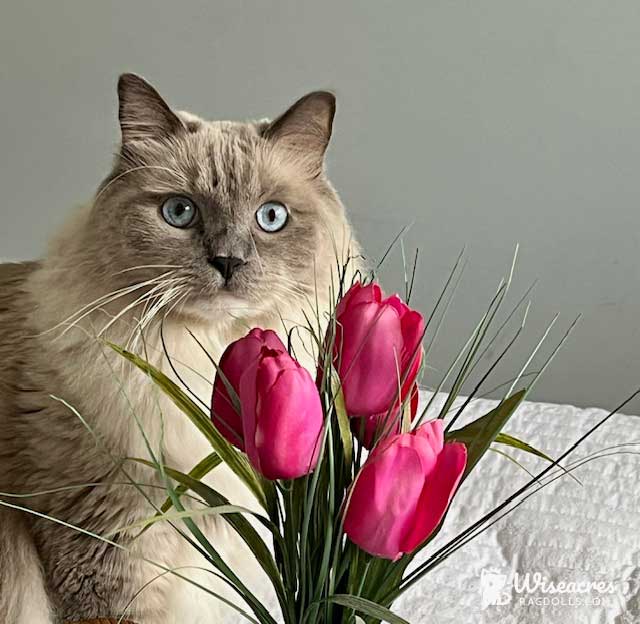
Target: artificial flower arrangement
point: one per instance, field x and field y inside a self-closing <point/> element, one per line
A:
<point x="352" y="481"/>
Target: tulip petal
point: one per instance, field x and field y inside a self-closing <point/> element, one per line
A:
<point x="433" y="432"/>
<point x="438" y="491"/>
<point x="248" y="403"/>
<point x="395" y="302"/>
<point x="410" y="370"/>
<point x="344" y="303"/>
<point x="370" y="341"/>
<point x="414" y="401"/>
<point x="233" y="364"/>
<point x="288" y="426"/>
<point x="257" y="380"/>
<point x="413" y="327"/>
<point x="384" y="500"/>
<point x="282" y="416"/>
<point x="359" y="294"/>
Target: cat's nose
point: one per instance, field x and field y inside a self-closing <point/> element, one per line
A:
<point x="226" y="265"/>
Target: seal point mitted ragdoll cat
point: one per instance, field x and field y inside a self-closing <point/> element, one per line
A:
<point x="212" y="226"/>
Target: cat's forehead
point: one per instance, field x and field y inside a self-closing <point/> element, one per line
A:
<point x="227" y="162"/>
<point x="222" y="157"/>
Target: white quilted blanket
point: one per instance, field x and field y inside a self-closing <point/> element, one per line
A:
<point x="583" y="538"/>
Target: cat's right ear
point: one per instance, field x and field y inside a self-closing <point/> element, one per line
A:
<point x="143" y="114"/>
<point x="305" y="128"/>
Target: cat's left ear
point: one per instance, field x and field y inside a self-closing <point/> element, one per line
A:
<point x="304" y="129"/>
<point x="143" y="114"/>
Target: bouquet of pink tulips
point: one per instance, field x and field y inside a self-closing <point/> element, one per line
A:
<point x="352" y="481"/>
<point x="268" y="406"/>
<point x="395" y="500"/>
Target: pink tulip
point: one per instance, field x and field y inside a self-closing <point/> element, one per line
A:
<point x="377" y="349"/>
<point x="403" y="490"/>
<point x="235" y="360"/>
<point x="281" y="415"/>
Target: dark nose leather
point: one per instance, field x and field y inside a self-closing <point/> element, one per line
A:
<point x="226" y="265"/>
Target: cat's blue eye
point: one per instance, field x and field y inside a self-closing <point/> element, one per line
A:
<point x="179" y="212"/>
<point x="272" y="216"/>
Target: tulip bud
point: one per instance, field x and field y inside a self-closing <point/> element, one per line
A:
<point x="378" y="355"/>
<point x="403" y="490"/>
<point x="281" y="415"/>
<point x="234" y="361"/>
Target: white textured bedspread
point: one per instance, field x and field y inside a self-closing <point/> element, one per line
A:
<point x="584" y="538"/>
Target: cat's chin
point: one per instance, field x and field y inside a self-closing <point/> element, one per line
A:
<point x="213" y="308"/>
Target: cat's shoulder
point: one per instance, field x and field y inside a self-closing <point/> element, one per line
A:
<point x="14" y="274"/>
<point x="13" y="278"/>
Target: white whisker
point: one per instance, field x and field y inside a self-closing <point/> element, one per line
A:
<point x="139" y="300"/>
<point x="168" y="300"/>
<point x="91" y="307"/>
<point x="149" y="266"/>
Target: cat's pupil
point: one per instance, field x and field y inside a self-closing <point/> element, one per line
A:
<point x="272" y="215"/>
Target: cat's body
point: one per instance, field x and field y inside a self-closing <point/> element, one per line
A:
<point x="54" y="312"/>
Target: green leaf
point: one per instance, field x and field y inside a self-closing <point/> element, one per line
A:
<point x="509" y="440"/>
<point x="200" y="470"/>
<point x="478" y="435"/>
<point x="362" y="605"/>
<point x="220" y="510"/>
<point x="493" y="449"/>
<point x="237" y="462"/>
<point x="343" y="417"/>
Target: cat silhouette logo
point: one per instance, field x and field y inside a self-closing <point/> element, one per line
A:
<point x="493" y="585"/>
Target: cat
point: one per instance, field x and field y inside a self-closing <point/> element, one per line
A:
<point x="212" y="227"/>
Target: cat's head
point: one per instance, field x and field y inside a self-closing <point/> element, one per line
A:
<point x="240" y="216"/>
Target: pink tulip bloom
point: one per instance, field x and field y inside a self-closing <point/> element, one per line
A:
<point x="403" y="490"/>
<point x="235" y="360"/>
<point x="281" y="415"/>
<point x="377" y="350"/>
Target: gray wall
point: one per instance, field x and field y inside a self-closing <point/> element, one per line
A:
<point x="480" y="123"/>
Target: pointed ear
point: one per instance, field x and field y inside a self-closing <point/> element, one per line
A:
<point x="305" y="129"/>
<point x="142" y="112"/>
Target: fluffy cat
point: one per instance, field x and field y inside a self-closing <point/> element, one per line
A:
<point x="211" y="226"/>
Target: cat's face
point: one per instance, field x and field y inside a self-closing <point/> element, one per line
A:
<point x="238" y="215"/>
